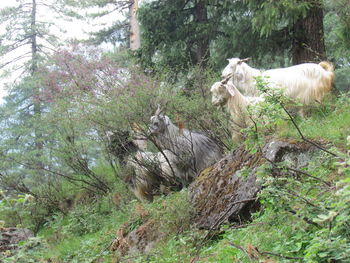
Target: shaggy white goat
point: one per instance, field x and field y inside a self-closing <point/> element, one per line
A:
<point x="305" y="83"/>
<point x="224" y="93"/>
<point x="152" y="171"/>
<point x="194" y="151"/>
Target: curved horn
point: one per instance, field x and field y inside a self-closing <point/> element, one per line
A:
<point x="158" y="111"/>
<point x="243" y="60"/>
<point x="227" y="78"/>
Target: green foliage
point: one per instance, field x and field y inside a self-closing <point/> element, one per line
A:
<point x="82" y="235"/>
<point x="172" y="215"/>
<point x="301" y="218"/>
<point x="81" y="199"/>
<point x="175" y="212"/>
<point x="337" y="30"/>
<point x="26" y="253"/>
<point x="265" y="116"/>
<point x="275" y="15"/>
<point x="172" y="43"/>
<point x="15" y="210"/>
<point x="172" y="29"/>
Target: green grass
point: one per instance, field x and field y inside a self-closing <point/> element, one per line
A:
<point x="330" y="122"/>
<point x="85" y="233"/>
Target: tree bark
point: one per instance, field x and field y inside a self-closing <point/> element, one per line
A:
<point x="135" y="41"/>
<point x="201" y="17"/>
<point x="308" y="44"/>
<point x="39" y="145"/>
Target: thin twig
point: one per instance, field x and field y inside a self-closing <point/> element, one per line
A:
<point x="248" y="225"/>
<point x="309" y="175"/>
<point x="298" y="171"/>
<point x="241" y="248"/>
<point x="302" y="135"/>
<point x="306" y="219"/>
<point x="263" y="252"/>
<point x="220" y="220"/>
<point x="279" y="255"/>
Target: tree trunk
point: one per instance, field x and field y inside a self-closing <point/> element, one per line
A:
<point x="201" y="17"/>
<point x="135" y="41"/>
<point x="308" y="44"/>
<point x="34" y="65"/>
<point x="39" y="145"/>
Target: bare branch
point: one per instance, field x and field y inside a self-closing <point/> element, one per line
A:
<point x="301" y="134"/>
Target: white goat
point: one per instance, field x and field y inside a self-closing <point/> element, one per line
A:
<point x="194" y="151"/>
<point x="224" y="93"/>
<point x="152" y="171"/>
<point x="305" y="83"/>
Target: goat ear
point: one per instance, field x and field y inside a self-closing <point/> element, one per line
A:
<point x="230" y="89"/>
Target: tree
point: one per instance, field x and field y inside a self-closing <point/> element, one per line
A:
<point x="303" y="20"/>
<point x="25" y="44"/>
<point x="337" y="28"/>
<point x="308" y="36"/>
<point x="135" y="41"/>
<point x="179" y="30"/>
<point x="124" y="31"/>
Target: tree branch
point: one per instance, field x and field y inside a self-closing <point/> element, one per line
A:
<point x="302" y="136"/>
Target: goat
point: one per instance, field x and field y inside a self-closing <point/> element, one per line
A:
<point x="120" y="145"/>
<point x="305" y="83"/>
<point x="224" y="93"/>
<point x="152" y="172"/>
<point x="194" y="151"/>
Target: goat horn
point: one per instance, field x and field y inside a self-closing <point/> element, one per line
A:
<point x="243" y="60"/>
<point x="158" y="111"/>
<point x="227" y="78"/>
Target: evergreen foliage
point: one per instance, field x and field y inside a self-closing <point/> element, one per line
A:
<point x="62" y="176"/>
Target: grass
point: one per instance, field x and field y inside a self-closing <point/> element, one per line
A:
<point x="328" y="122"/>
<point x="272" y="230"/>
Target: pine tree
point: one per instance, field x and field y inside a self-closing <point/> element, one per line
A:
<point x="180" y="31"/>
<point x="25" y="45"/>
<point x="124" y="30"/>
<point x="302" y="20"/>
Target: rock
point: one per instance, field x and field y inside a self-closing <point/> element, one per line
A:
<point x="296" y="155"/>
<point x="9" y="237"/>
<point x="228" y="190"/>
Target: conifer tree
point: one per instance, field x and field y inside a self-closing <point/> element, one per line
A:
<point x="302" y="20"/>
<point x="25" y="44"/>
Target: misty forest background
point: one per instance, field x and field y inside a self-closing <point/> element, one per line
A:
<point x="66" y="95"/>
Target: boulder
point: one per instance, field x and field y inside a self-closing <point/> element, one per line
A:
<point x="227" y="191"/>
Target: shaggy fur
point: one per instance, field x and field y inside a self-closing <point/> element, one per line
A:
<point x="306" y="83"/>
<point x="226" y="94"/>
<point x="152" y="172"/>
<point x="194" y="151"/>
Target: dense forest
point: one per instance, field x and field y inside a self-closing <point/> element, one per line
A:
<point x="148" y="141"/>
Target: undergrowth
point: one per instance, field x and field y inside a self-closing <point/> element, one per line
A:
<point x="303" y="218"/>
